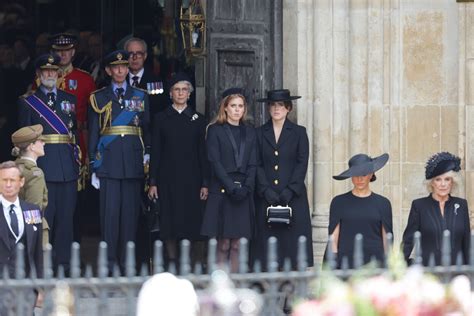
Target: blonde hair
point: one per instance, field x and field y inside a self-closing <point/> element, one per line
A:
<point x="453" y="175"/>
<point x="221" y="116"/>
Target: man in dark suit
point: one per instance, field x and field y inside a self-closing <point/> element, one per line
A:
<point x="54" y="109"/>
<point x="20" y="222"/>
<point x="143" y="78"/>
<point x="119" y="139"/>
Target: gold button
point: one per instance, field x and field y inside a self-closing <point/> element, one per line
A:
<point x="222" y="191"/>
<point x="276" y="167"/>
<point x="276" y="182"/>
<point x="276" y="152"/>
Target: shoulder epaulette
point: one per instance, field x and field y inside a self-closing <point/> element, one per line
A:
<point x="98" y="90"/>
<point x="27" y="94"/>
<point x="82" y="70"/>
<point x="140" y="89"/>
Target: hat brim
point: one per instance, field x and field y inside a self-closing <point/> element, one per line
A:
<point x="53" y="67"/>
<point x="119" y="62"/>
<point x="363" y="170"/>
<point x="290" y="98"/>
<point x="62" y="47"/>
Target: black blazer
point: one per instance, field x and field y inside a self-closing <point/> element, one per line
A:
<point x="223" y="156"/>
<point x="282" y="165"/>
<point x="158" y="102"/>
<point x="425" y="217"/>
<point x="123" y="157"/>
<point x="32" y="237"/>
<point x="59" y="163"/>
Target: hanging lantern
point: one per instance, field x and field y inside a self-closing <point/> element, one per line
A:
<point x="193" y="27"/>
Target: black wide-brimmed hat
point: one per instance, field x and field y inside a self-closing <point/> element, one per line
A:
<point x="361" y="165"/>
<point x="441" y="163"/>
<point x="280" y="95"/>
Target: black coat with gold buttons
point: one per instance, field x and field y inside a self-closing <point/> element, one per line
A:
<point x="282" y="169"/>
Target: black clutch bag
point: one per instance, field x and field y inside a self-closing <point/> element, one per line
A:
<point x="279" y="215"/>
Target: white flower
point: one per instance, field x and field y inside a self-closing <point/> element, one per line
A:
<point x="194" y="117"/>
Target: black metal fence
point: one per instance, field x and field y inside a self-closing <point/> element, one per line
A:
<point x="90" y="293"/>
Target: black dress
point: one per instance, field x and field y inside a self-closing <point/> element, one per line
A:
<point x="283" y="165"/>
<point x="231" y="153"/>
<point x="425" y="217"/>
<point x="179" y="167"/>
<point x="364" y="216"/>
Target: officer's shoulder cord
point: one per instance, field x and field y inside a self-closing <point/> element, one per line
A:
<point x="107" y="109"/>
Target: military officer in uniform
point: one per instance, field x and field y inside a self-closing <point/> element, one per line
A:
<point x="143" y="78"/>
<point x="118" y="149"/>
<point x="54" y="109"/>
<point x="29" y="146"/>
<point x="73" y="80"/>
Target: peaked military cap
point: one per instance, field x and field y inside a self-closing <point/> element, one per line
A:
<point x="117" y="57"/>
<point x="47" y="61"/>
<point x="27" y="135"/>
<point x="63" y="41"/>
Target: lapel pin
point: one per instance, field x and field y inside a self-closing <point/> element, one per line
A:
<point x="34" y="228"/>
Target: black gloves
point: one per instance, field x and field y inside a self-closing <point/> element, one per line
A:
<point x="239" y="193"/>
<point x="285" y="196"/>
<point x="271" y="197"/>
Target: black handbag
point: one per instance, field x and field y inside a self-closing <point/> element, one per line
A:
<point x="279" y="215"/>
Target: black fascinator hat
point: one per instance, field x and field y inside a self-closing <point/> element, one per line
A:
<point x="440" y="163"/>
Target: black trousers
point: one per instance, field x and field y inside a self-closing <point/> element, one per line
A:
<point x="59" y="213"/>
<point x="119" y="209"/>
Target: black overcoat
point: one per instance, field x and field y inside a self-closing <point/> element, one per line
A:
<point x="425" y="217"/>
<point x="226" y="217"/>
<point x="179" y="167"/>
<point x="283" y="165"/>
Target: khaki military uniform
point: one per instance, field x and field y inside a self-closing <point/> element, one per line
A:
<point x="34" y="191"/>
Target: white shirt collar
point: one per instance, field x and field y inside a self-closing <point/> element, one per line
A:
<point x="19" y="215"/>
<point x="179" y="111"/>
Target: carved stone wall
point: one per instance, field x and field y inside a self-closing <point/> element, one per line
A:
<point x="379" y="76"/>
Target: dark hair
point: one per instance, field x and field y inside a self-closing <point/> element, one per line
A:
<point x="288" y="104"/>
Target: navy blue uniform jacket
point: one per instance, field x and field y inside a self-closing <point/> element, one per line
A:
<point x="59" y="163"/>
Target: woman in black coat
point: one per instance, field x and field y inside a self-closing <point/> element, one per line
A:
<point x="179" y="169"/>
<point x="229" y="213"/>
<point x="283" y="152"/>
<point x="438" y="212"/>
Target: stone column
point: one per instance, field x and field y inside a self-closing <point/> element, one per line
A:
<point x="378" y="76"/>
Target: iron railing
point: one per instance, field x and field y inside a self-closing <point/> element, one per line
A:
<point x="88" y="292"/>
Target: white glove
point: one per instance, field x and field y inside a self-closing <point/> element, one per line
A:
<point x="95" y="181"/>
<point x="146" y="158"/>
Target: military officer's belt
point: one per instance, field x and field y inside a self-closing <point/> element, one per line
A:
<point x="58" y="139"/>
<point x="122" y="130"/>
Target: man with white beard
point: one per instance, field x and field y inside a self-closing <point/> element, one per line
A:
<point x="55" y="110"/>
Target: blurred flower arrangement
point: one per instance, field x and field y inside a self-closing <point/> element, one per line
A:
<point x="399" y="292"/>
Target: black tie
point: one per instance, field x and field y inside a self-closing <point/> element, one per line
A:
<point x="51" y="98"/>
<point x="135" y="81"/>
<point x="13" y="220"/>
<point x="119" y="92"/>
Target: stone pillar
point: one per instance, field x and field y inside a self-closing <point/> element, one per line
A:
<point x="379" y="76"/>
